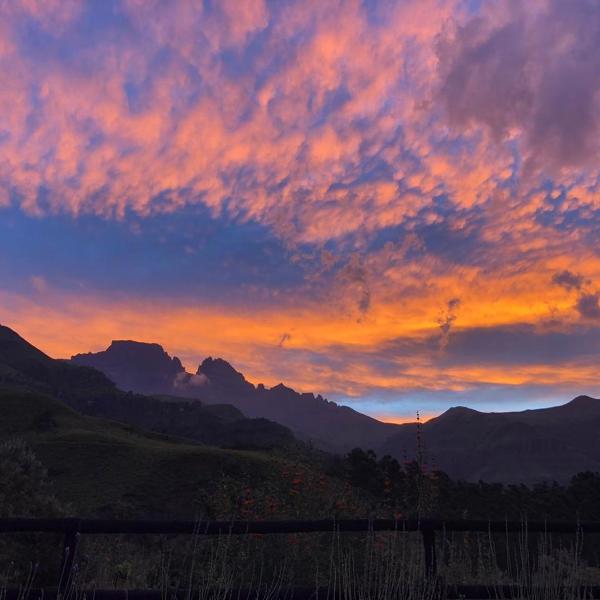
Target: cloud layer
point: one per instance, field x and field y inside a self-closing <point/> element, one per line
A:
<point x="371" y="199"/>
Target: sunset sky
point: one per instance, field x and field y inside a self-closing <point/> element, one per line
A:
<point x="393" y="203"/>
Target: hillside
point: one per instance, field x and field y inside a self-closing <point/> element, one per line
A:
<point x="549" y="444"/>
<point x="100" y="467"/>
<point x="23" y="364"/>
<point x="90" y="392"/>
<point x="141" y="367"/>
<point x="103" y="467"/>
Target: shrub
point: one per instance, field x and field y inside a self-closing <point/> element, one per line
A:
<point x="25" y="490"/>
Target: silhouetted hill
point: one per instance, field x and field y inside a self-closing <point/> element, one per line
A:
<point x="528" y="446"/>
<point x="312" y="418"/>
<point x="548" y="444"/>
<point x="22" y="363"/>
<point x="325" y="423"/>
<point x="104" y="468"/>
<point x="90" y="392"/>
<point x="136" y="366"/>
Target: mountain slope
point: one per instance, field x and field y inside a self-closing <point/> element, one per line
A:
<point x="103" y="468"/>
<point x="325" y="423"/>
<point x="528" y="446"/>
<point x="22" y="363"/>
<point x="550" y="444"/>
<point x="312" y="418"/>
<point x="90" y="392"/>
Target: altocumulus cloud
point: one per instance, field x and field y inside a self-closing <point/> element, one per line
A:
<point x="401" y="154"/>
<point x="529" y="70"/>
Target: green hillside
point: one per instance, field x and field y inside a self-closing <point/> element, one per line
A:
<point x="111" y="453"/>
<point x="101" y="467"/>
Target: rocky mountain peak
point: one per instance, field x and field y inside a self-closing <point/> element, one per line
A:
<point x="135" y="366"/>
<point x="222" y="374"/>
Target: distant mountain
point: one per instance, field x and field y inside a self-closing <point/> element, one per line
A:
<point x="548" y="444"/>
<point x="90" y="392"/>
<point x="135" y="366"/>
<point x="531" y="446"/>
<point x="325" y="423"/>
<point x="148" y="368"/>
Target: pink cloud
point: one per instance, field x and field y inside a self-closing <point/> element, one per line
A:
<point x="81" y="142"/>
<point x="528" y="71"/>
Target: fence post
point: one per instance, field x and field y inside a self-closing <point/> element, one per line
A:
<point x="71" y="541"/>
<point x="428" y="534"/>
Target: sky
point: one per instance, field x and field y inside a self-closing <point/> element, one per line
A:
<point x="393" y="203"/>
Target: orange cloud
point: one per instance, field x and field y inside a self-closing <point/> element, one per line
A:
<point x="190" y="152"/>
<point x="335" y="343"/>
<point x="374" y="132"/>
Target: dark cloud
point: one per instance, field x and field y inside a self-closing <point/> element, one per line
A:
<point x="520" y="345"/>
<point x="588" y="305"/>
<point x="508" y="345"/>
<point x="534" y="69"/>
<point x="569" y="280"/>
<point x="446" y="321"/>
<point x="354" y="275"/>
<point x="284" y="338"/>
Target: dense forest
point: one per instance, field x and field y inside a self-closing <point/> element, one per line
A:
<point x="412" y="489"/>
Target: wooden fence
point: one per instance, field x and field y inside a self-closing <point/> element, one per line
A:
<point x="73" y="529"/>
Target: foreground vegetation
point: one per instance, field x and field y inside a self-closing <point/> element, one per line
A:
<point x="412" y="489"/>
<point x="54" y="461"/>
<point x="372" y="565"/>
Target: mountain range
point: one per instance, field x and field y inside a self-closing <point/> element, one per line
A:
<point x="90" y="392"/>
<point x="147" y="368"/>
<point x="546" y="444"/>
<point x="217" y="405"/>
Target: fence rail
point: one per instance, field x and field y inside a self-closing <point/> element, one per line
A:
<point x="73" y="528"/>
<point x="115" y="526"/>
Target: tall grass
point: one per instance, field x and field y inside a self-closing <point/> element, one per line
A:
<point x="538" y="566"/>
<point x="337" y="566"/>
